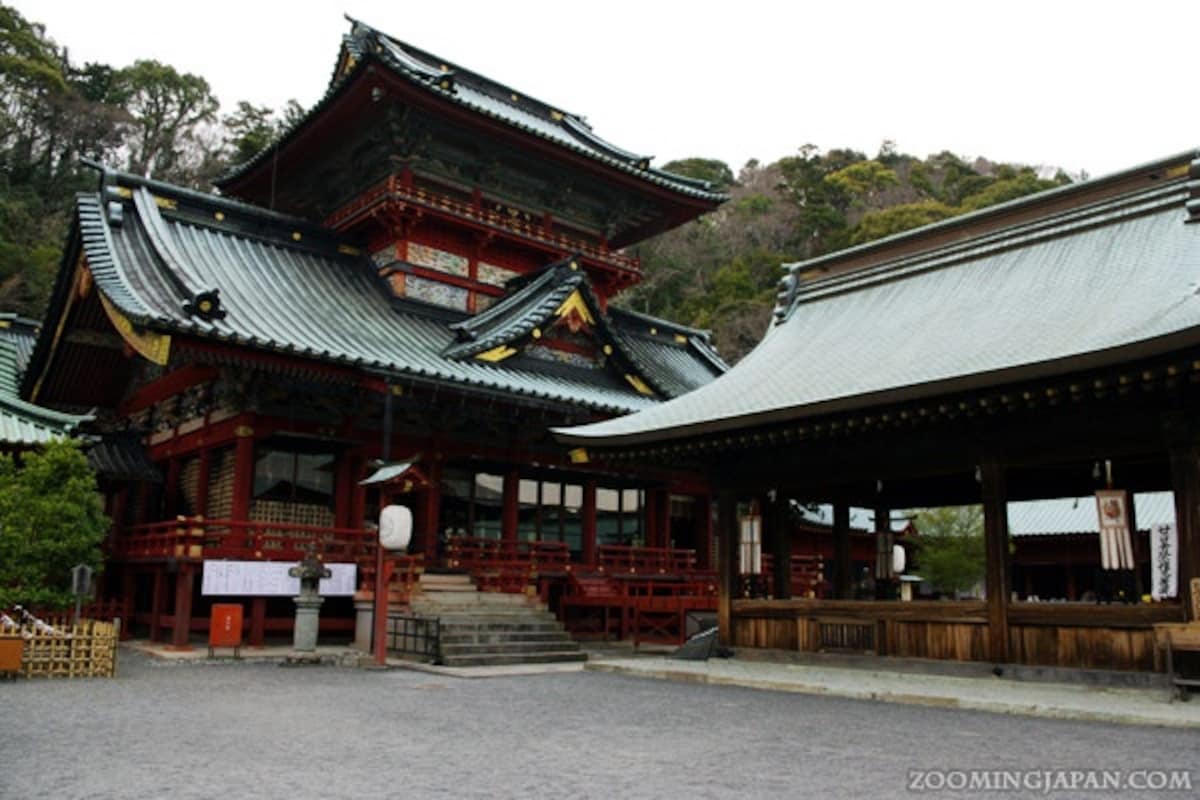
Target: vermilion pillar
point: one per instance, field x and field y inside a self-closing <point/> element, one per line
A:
<point x="432" y="506"/>
<point x="181" y="630"/>
<point x="727" y="531"/>
<point x="511" y="499"/>
<point x="704" y="532"/>
<point x="588" y="523"/>
<point x="243" y="473"/>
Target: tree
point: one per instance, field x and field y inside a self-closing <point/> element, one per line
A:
<point x="715" y="172"/>
<point x="168" y="108"/>
<point x="950" y="551"/>
<point x="51" y="518"/>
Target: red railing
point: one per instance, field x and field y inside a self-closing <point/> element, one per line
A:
<point x="392" y="188"/>
<point x="470" y="552"/>
<point x="617" y="559"/>
<point x="646" y="610"/>
<point x="194" y="538"/>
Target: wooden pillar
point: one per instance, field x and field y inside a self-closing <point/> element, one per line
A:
<point x="664" y="517"/>
<point x="842" y="567"/>
<point x="995" y="544"/>
<point x="727" y="566"/>
<point x="358" y="493"/>
<point x="243" y="474"/>
<point x="777" y="530"/>
<point x="431" y="509"/>
<point x="128" y="600"/>
<point x="258" y="621"/>
<point x="1185" y="480"/>
<point x="1072" y="593"/>
<point x="511" y="495"/>
<point x="704" y="532"/>
<point x="652" y="518"/>
<point x="157" y="597"/>
<point x="342" y="491"/>
<point x="181" y="631"/>
<point x="885" y="589"/>
<point x="588" y="523"/>
<point x="205" y="467"/>
<point x="120" y="506"/>
<point x="171" y="489"/>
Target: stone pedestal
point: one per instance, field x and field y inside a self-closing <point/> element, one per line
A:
<point x="364" y="618"/>
<point x="308" y="616"/>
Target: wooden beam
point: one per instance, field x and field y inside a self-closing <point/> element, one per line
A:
<point x="995" y="542"/>
<point x="167" y="386"/>
<point x="727" y="533"/>
<point x="243" y="474"/>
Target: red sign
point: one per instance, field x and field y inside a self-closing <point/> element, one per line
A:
<point x="225" y="625"/>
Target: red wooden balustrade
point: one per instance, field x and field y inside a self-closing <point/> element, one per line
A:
<point x="615" y="558"/>
<point x="193" y="538"/>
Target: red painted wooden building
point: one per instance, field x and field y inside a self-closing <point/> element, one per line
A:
<point x="416" y="277"/>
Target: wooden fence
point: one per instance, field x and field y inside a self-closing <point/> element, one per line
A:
<point x="87" y="649"/>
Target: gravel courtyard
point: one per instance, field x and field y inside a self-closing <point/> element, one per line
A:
<point x="233" y="731"/>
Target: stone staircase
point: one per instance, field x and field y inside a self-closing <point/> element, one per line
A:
<point x="491" y="628"/>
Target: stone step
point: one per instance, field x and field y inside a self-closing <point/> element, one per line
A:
<point x="473" y="597"/>
<point x="456" y="636"/>
<point x="502" y="659"/>
<point x="508" y="648"/>
<point x="526" y="626"/>
<point x="453" y="620"/>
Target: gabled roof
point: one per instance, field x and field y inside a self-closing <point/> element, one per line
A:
<point x="23" y="424"/>
<point x="273" y="283"/>
<point x="654" y="351"/>
<point x="365" y="46"/>
<point x="1092" y="285"/>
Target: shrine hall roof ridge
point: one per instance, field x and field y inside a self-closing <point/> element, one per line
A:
<point x="1071" y="196"/>
<point x="1091" y="286"/>
<point x="365" y="44"/>
<point x="283" y="286"/>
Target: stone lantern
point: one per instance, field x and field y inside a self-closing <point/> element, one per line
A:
<point x="310" y="571"/>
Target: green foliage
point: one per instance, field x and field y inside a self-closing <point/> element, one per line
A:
<point x="950" y="550"/>
<point x="51" y="518"/>
<point x="166" y="107"/>
<point x="715" y="172"/>
<point x="895" y="219"/>
<point x="862" y="180"/>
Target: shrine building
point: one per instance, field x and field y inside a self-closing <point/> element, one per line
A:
<point x="393" y="302"/>
<point x="1045" y="349"/>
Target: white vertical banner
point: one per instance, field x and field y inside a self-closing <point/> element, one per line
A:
<point x="1116" y="545"/>
<point x="1164" y="561"/>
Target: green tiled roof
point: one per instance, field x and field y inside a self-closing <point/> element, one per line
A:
<point x="1064" y="286"/>
<point x="23" y="424"/>
<point x="279" y="284"/>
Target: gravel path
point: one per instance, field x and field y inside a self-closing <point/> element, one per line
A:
<point x="234" y="731"/>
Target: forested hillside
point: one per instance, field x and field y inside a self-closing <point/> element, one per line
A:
<point x="719" y="272"/>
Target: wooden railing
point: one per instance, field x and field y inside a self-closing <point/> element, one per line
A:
<point x="644" y="610"/>
<point x="195" y="538"/>
<point x="60" y="648"/>
<point x="617" y="559"/>
<point x="470" y="552"/>
<point x="806" y="576"/>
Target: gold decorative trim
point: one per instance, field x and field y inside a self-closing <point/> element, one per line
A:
<point x="219" y="216"/>
<point x="680" y="339"/>
<point x="497" y="353"/>
<point x="576" y="303"/>
<point x="639" y="384"/>
<point x="167" y="203"/>
<point x="347" y="250"/>
<point x="154" y="347"/>
<point x="578" y="456"/>
<point x="243" y="431"/>
<point x="1178" y="172"/>
<point x="125" y="192"/>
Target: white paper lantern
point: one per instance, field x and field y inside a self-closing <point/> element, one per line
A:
<point x="899" y="559"/>
<point x="395" y="527"/>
